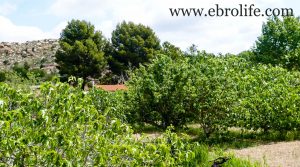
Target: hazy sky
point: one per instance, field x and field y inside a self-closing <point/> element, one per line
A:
<point x="22" y="20"/>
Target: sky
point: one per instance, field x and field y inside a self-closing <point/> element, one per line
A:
<point x="25" y="20"/>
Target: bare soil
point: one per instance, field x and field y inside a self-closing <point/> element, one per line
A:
<point x="281" y="154"/>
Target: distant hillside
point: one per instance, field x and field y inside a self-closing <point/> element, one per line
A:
<point x="38" y="54"/>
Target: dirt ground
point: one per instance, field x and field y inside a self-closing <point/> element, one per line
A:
<point x="281" y="154"/>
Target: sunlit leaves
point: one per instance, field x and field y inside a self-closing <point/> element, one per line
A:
<point x="62" y="127"/>
<point x="279" y="43"/>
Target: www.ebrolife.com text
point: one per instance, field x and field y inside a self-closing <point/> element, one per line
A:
<point x="242" y="10"/>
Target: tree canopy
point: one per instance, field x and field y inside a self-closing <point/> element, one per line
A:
<point x="81" y="52"/>
<point x="133" y="44"/>
<point x="280" y="42"/>
<point x="171" y="50"/>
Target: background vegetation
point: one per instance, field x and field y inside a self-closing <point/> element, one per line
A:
<point x="215" y="99"/>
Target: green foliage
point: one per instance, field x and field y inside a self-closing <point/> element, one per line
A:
<point x="159" y="94"/>
<point x="110" y="103"/>
<point x="171" y="50"/>
<point x="38" y="73"/>
<point x="61" y="127"/>
<point x="246" y="95"/>
<point x="216" y="92"/>
<point x="21" y="69"/>
<point x="168" y="91"/>
<point x="2" y="76"/>
<point x="269" y="99"/>
<point x="18" y="82"/>
<point x="247" y="54"/>
<point x="279" y="43"/>
<point x="23" y="76"/>
<point x="133" y="44"/>
<point x="81" y="53"/>
<point x="6" y="62"/>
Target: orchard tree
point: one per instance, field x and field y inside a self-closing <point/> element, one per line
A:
<point x="82" y="51"/>
<point x="159" y="93"/>
<point x="197" y="89"/>
<point x="133" y="44"/>
<point x="280" y="42"/>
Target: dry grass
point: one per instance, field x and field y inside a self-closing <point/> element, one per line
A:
<point x="281" y="154"/>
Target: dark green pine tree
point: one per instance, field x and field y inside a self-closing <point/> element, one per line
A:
<point x="82" y="51"/>
<point x="133" y="44"/>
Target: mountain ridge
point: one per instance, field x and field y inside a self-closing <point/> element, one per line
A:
<point x="36" y="53"/>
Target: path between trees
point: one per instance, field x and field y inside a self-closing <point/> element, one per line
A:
<point x="281" y="154"/>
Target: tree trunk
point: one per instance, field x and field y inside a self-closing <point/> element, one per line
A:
<point x="207" y="130"/>
<point x="165" y="121"/>
<point x="83" y="84"/>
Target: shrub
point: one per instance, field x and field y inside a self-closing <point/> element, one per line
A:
<point x="38" y="73"/>
<point x="110" y="103"/>
<point x="200" y="89"/>
<point x="159" y="93"/>
<point x="2" y="76"/>
<point x="62" y="127"/>
<point x="214" y="91"/>
<point x="6" y="62"/>
<point x="269" y="99"/>
<point x="21" y="70"/>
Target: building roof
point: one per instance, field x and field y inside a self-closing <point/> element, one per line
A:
<point x="112" y="88"/>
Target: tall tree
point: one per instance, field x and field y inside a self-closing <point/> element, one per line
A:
<point x="279" y="42"/>
<point x="171" y="50"/>
<point x="82" y="50"/>
<point x="133" y="44"/>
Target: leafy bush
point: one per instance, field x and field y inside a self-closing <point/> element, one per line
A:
<point x="6" y="62"/>
<point x="200" y="89"/>
<point x="159" y="93"/>
<point x="21" y="69"/>
<point x="171" y="50"/>
<point x="269" y="99"/>
<point x="214" y="91"/>
<point x="62" y="127"/>
<point x="38" y="73"/>
<point x="110" y="103"/>
<point x="2" y="76"/>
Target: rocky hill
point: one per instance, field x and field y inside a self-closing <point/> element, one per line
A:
<point x="38" y="54"/>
